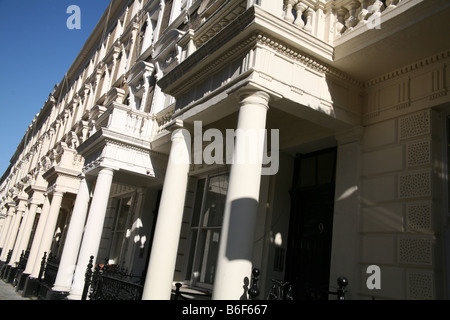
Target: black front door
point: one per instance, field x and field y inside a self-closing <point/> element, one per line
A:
<point x="310" y="226"/>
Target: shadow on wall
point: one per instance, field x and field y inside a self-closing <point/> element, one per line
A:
<point x="240" y="238"/>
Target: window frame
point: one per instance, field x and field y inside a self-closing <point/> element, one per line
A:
<point x="197" y="246"/>
<point x="114" y="232"/>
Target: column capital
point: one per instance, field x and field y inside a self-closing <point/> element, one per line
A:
<point x="33" y="202"/>
<point x="58" y="193"/>
<point x="106" y="170"/>
<point x="174" y="125"/>
<point x="254" y="97"/>
<point x="11" y="210"/>
<point x="180" y="134"/>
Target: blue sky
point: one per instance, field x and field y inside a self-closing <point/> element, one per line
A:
<point x="36" y="50"/>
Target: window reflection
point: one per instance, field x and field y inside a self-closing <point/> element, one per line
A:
<point x="206" y="227"/>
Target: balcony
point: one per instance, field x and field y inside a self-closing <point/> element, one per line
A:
<point x="119" y="138"/>
<point x="373" y="37"/>
<point x="315" y="53"/>
<point x="363" y="38"/>
<point x="124" y="120"/>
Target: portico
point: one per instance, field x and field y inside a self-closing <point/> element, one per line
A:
<point x="162" y="119"/>
<point x="248" y="92"/>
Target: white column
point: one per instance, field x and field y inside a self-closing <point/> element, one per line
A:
<point x="160" y="272"/>
<point x="34" y="251"/>
<point x="49" y="231"/>
<point x="73" y="240"/>
<point x="93" y="230"/>
<point x="234" y="264"/>
<point x="5" y="230"/>
<point x="26" y="227"/>
<point x="12" y="234"/>
<point x="18" y="237"/>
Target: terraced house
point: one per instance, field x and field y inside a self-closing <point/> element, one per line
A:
<point x="126" y="161"/>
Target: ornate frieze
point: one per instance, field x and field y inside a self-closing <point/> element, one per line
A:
<point x="419" y="217"/>
<point x="422" y="83"/>
<point x="271" y="63"/>
<point x="415" y="250"/>
<point x="221" y="19"/>
<point x="420" y="285"/>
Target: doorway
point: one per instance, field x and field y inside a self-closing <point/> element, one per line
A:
<point x="310" y="225"/>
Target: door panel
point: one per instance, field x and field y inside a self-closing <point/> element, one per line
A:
<point x="310" y="227"/>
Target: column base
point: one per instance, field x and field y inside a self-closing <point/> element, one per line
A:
<point x="60" y="289"/>
<point x="57" y="295"/>
<point x="11" y="274"/>
<point x="31" y="287"/>
<point x="21" y="278"/>
<point x="60" y="293"/>
<point x="74" y="297"/>
<point x="6" y="269"/>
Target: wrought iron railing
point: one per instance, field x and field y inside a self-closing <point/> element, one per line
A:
<point x="20" y="268"/>
<point x="283" y="290"/>
<point x="47" y="276"/>
<point x="3" y="271"/>
<point x="111" y="282"/>
<point x="51" y="270"/>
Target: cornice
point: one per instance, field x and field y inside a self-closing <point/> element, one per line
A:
<point x="207" y="49"/>
<point x="303" y="58"/>
<point x="255" y="39"/>
<point x="250" y="27"/>
<point x="439" y="57"/>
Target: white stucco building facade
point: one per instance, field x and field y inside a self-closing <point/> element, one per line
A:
<point x="353" y="97"/>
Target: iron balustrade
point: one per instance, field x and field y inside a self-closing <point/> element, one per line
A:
<point x="51" y="270"/>
<point x="46" y="278"/>
<point x="42" y="269"/>
<point x="18" y="281"/>
<point x="253" y="292"/>
<point x="341" y="291"/>
<point x="283" y="290"/>
<point x="3" y="271"/>
<point x="110" y="282"/>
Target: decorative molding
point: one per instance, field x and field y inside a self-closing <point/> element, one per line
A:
<point x="415" y="184"/>
<point x="303" y="58"/>
<point x="409" y="68"/>
<point x="420" y="285"/>
<point x="418" y="153"/>
<point x="414" y="125"/>
<point x="418" y="251"/>
<point x="419" y="217"/>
